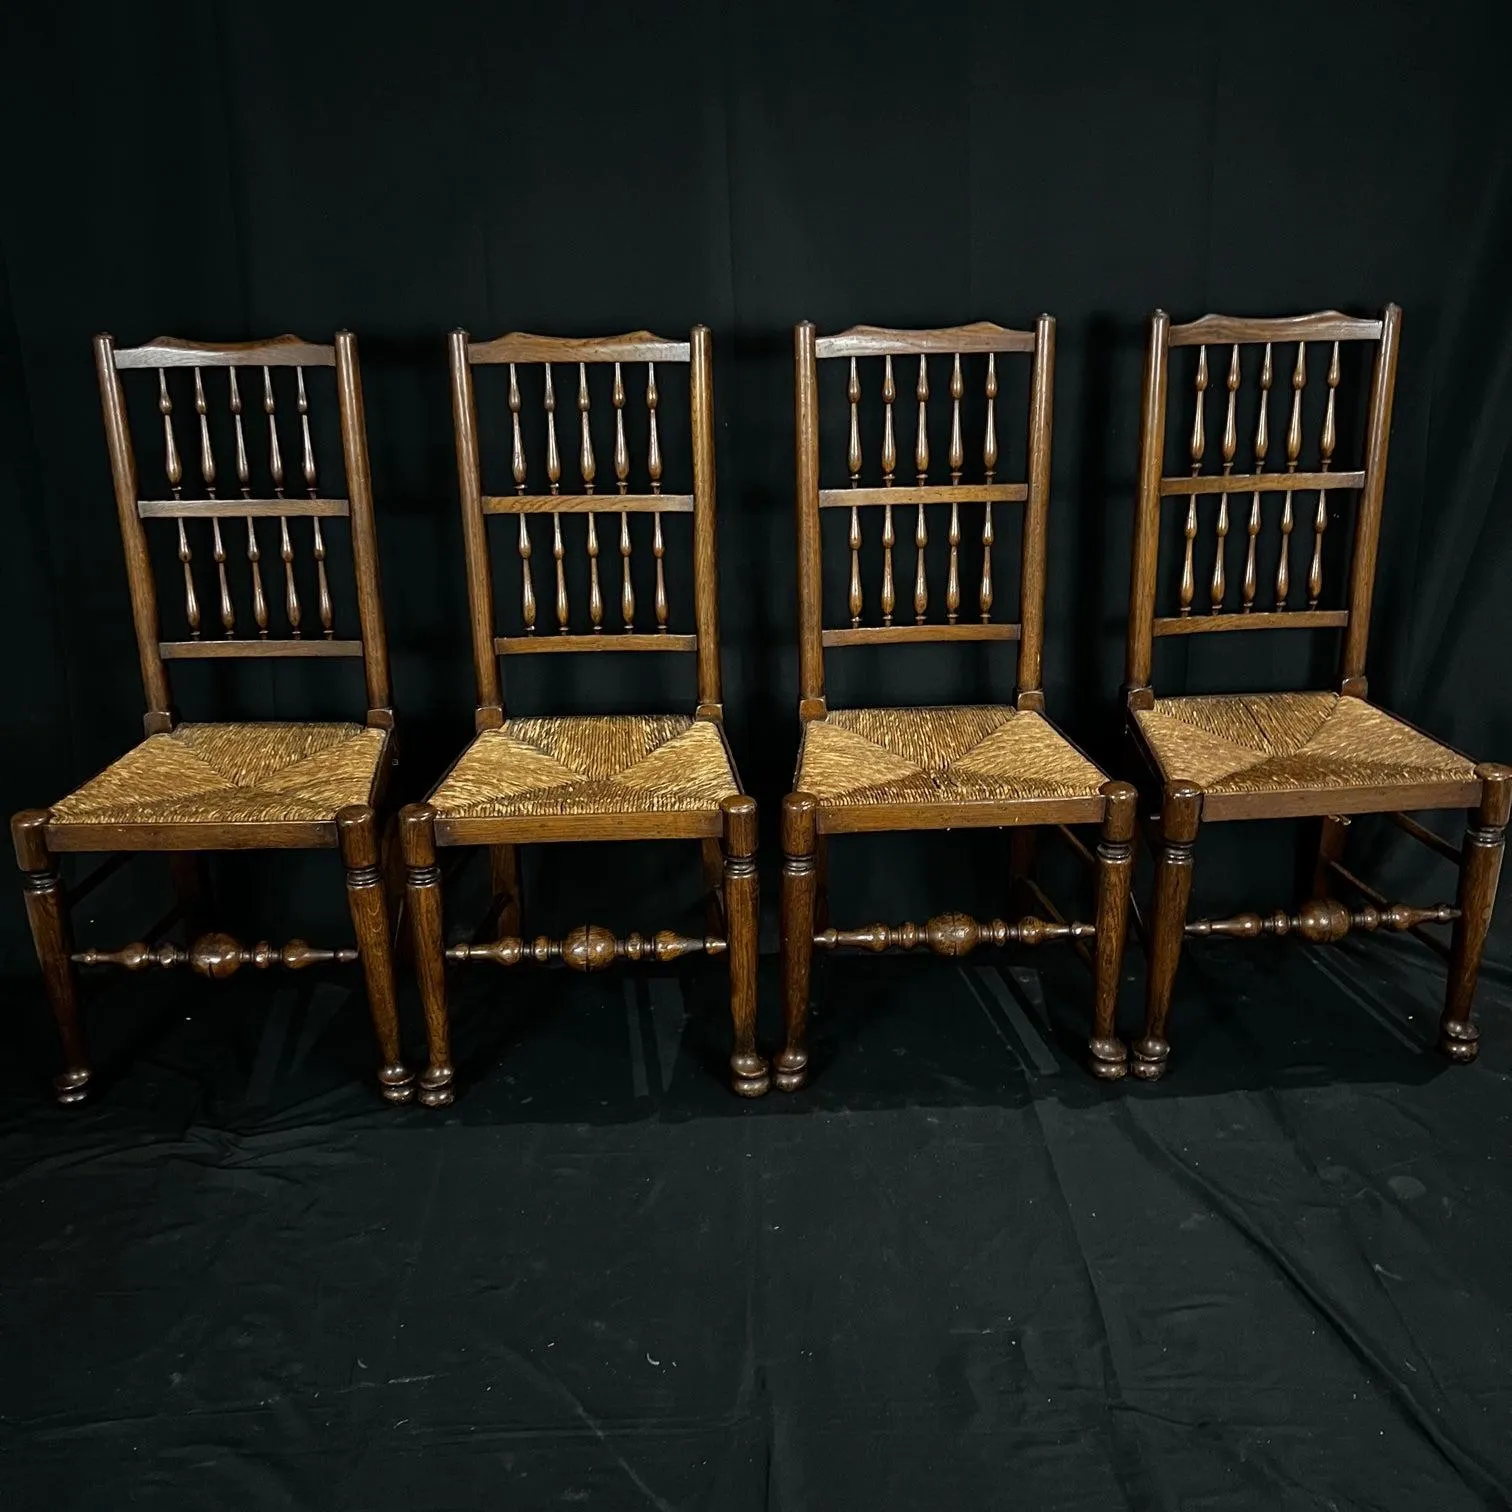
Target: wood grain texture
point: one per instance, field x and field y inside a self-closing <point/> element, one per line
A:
<point x="1180" y="814"/>
<point x="1206" y="624"/>
<point x="280" y="351"/>
<point x="1326" y="325"/>
<point x="934" y="493"/>
<point x="260" y="647"/>
<point x="894" y="635"/>
<point x="750" y="1075"/>
<point x="531" y="645"/>
<point x="878" y="341"/>
<point x="584" y="503"/>
<point x="633" y="346"/>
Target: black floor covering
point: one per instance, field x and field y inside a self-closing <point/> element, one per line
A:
<point x="954" y="1273"/>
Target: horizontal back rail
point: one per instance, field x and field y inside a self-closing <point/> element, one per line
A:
<point x="618" y="640"/>
<point x="879" y="341"/>
<point x="587" y="503"/>
<point x="897" y="635"/>
<point x="944" y="493"/>
<point x="210" y="650"/>
<point x="1278" y="482"/>
<point x="523" y="346"/>
<point x="1266" y="619"/>
<point x="1325" y="325"/>
<point x="234" y="508"/>
<point x="280" y="351"/>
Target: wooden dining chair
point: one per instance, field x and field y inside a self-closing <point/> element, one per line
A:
<point x="953" y="767"/>
<point x="193" y="788"/>
<point x="602" y="777"/>
<point x="1326" y="754"/>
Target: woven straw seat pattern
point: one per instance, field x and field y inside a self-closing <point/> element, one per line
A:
<point x="599" y="764"/>
<point x="1287" y="742"/>
<point x="943" y="755"/>
<point x="233" y="774"/>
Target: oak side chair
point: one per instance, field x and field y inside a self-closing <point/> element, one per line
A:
<point x="871" y="769"/>
<point x="195" y="788"/>
<point x="577" y="778"/>
<point x="1327" y="754"/>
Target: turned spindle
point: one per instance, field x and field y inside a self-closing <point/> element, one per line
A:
<point x="244" y="483"/>
<point x="989" y="465"/>
<point x="276" y="472"/>
<point x="207" y="472"/>
<point x="957" y="458"/>
<point x="174" y="469"/>
<point x="921" y="469"/>
<point x="654" y="472"/>
<point x="1262" y="445"/>
<point x="554" y="483"/>
<point x="1199" y="446"/>
<point x="313" y="489"/>
<point x="853" y="393"/>
<point x="1326" y="451"/>
<point x="889" y="466"/>
<point x="1219" y="586"/>
<point x="1293" y="451"/>
<point x="588" y="467"/>
<point x="518" y="472"/>
<point x="622" y="483"/>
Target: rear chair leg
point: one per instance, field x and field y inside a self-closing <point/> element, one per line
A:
<point x="749" y="1073"/>
<point x="191" y="884"/>
<point x="799" y="884"/>
<point x="417" y="834"/>
<point x="1484" y="839"/>
<point x="713" y="861"/>
<point x="357" y="834"/>
<point x="504" y="875"/>
<point x="1115" y="875"/>
<point x="47" y="909"/>
<point x="1330" y="848"/>
<point x="1179" y="816"/>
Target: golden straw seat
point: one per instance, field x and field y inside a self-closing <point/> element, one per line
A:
<point x="1297" y="743"/>
<point x="952" y="767"/>
<point x="605" y="764"/>
<point x="233" y="774"/>
<point x="552" y="779"/>
<point x="1325" y="754"/>
<point x="856" y="757"/>
<point x="252" y="553"/>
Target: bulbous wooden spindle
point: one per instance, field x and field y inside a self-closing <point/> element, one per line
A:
<point x="519" y="473"/>
<point x="889" y="467"/>
<point x="1219" y="587"/>
<point x="1293" y="451"/>
<point x="1326" y="451"/>
<point x="244" y="483"/>
<point x="654" y="472"/>
<point x="1199" y="446"/>
<point x="921" y="469"/>
<point x="173" y="467"/>
<point x="957" y="460"/>
<point x="588" y="467"/>
<point x="559" y="555"/>
<point x="853" y="460"/>
<point x="989" y="470"/>
<point x="207" y="472"/>
<point x="622" y="483"/>
<point x="554" y="483"/>
<point x="313" y="489"/>
<point x="1262" y="445"/>
<point x="276" y="472"/>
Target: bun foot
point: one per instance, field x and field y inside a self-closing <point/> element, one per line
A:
<point x="1149" y="1060"/>
<point x="791" y="1070"/>
<point x="71" y="1087"/>
<point x="1459" y="1040"/>
<point x="749" y="1076"/>
<point x="397" y="1083"/>
<point x="436" y="1087"/>
<point x="1108" y="1059"/>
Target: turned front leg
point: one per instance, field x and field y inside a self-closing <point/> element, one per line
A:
<point x="357" y="834"/>
<point x="422" y="886"/>
<point x="799" y="884"/>
<point x="1480" y="868"/>
<point x="47" y="911"/>
<point x="749" y="1073"/>
<point x="1115" y="875"/>
<point x="1179" y="817"/>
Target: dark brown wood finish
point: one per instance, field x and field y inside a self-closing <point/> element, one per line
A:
<point x="161" y="822"/>
<point x="1292" y="353"/>
<point x="614" y="618"/>
<point x="958" y="614"/>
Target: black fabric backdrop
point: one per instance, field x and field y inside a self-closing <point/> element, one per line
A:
<point x="228" y="171"/>
<point x="956" y="1271"/>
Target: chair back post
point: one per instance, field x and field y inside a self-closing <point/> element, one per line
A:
<point x="144" y="606"/>
<point x="490" y="710"/>
<point x="1145" y="561"/>
<point x="811" y="703"/>
<point x="1030" y="694"/>
<point x="1367" y="539"/>
<point x="705" y="532"/>
<point x="364" y="531"/>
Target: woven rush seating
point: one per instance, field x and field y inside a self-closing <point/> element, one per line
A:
<point x="233" y="774"/>
<point x="658" y="763"/>
<point x="1280" y="742"/>
<point x="957" y="754"/>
